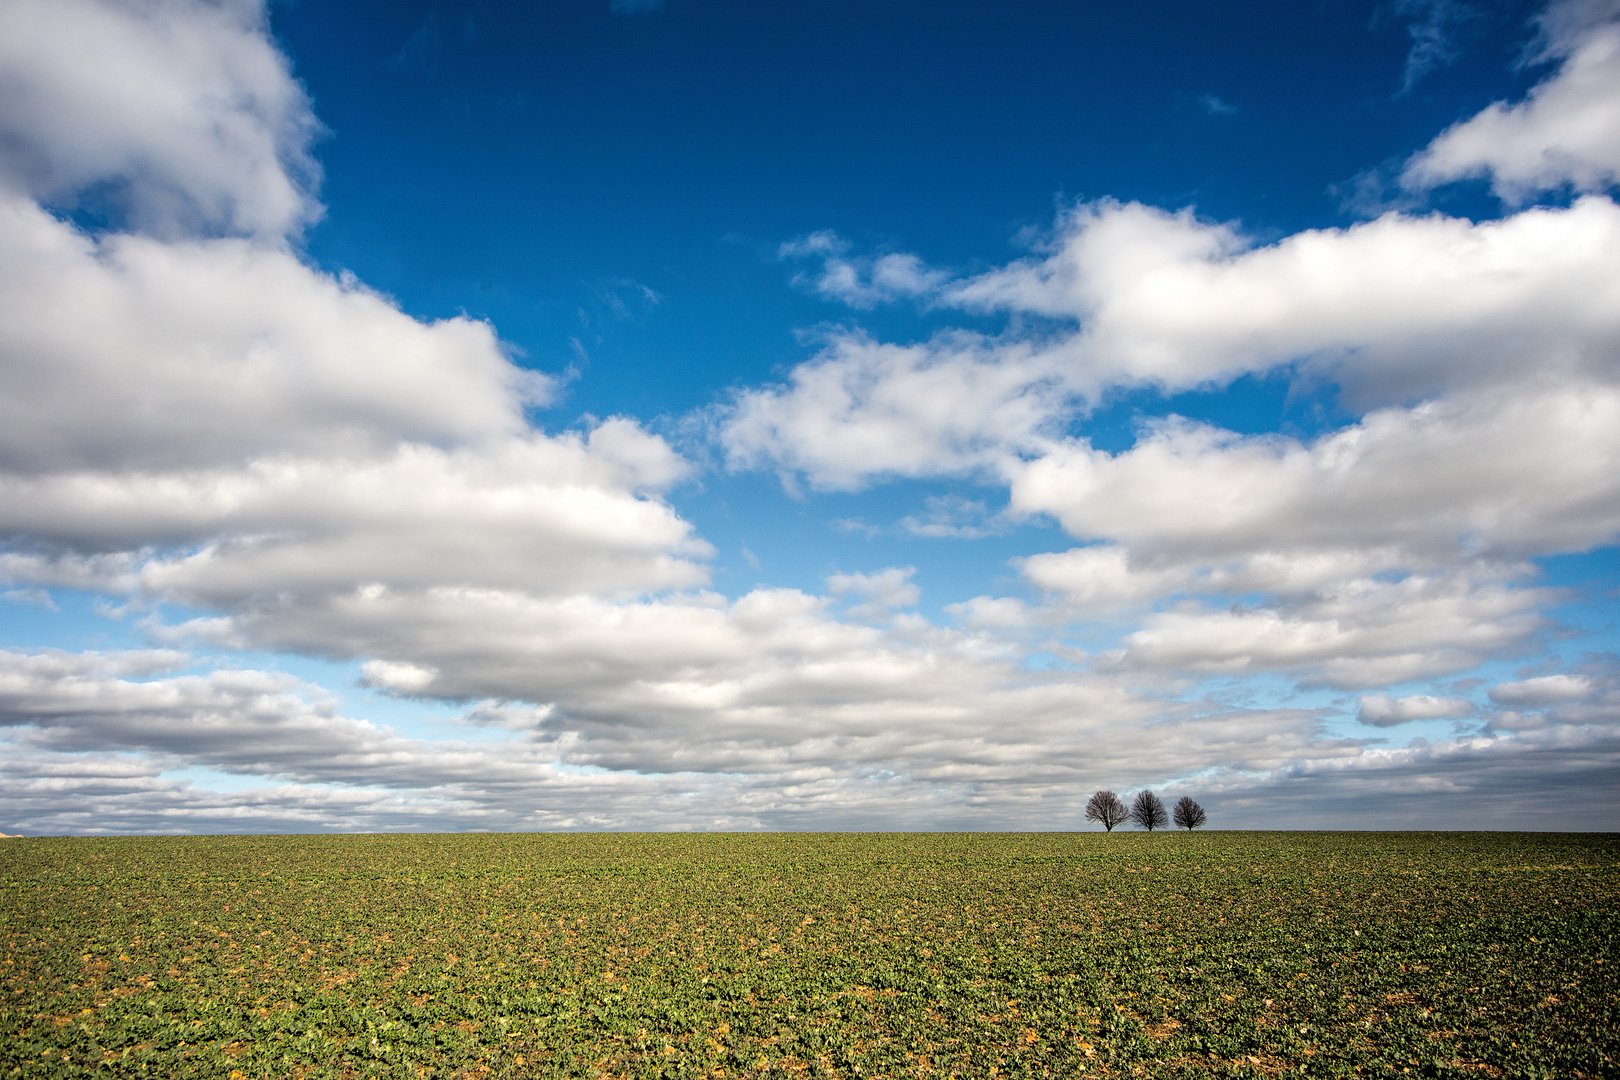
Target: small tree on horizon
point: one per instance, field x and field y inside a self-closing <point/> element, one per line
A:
<point x="1189" y="815"/>
<point x="1108" y="809"/>
<point x="1148" y="812"/>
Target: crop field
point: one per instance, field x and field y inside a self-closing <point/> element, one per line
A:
<point x="1225" y="954"/>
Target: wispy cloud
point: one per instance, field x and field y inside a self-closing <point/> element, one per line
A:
<point x="1434" y="27"/>
<point x="956" y="517"/>
<point x="880" y="592"/>
<point x="421" y="50"/>
<point x="39" y="598"/>
<point x="862" y="282"/>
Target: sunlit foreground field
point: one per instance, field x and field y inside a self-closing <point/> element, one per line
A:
<point x="1235" y="954"/>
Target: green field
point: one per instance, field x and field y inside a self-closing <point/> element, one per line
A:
<point x="1228" y="954"/>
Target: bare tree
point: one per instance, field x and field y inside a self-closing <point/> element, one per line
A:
<point x="1148" y="812"/>
<point x="1108" y="809"/>
<point x="1189" y="815"/>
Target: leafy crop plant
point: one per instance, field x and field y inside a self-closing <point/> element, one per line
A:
<point x="792" y="955"/>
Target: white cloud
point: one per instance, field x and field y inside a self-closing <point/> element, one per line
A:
<point x="130" y="352"/>
<point x="67" y="722"/>
<point x="1345" y="618"/>
<point x="770" y="685"/>
<point x="212" y="421"/>
<point x="816" y="719"/>
<point x="1382" y="710"/>
<point x="863" y="409"/>
<point x="54" y="665"/>
<point x="1546" y="690"/>
<point x="1107" y="578"/>
<point x="994" y="613"/>
<point x="396" y="677"/>
<point x="1566" y="132"/>
<point x="1392" y="310"/>
<point x="1433" y="35"/>
<point x="762" y="713"/>
<point x="954" y="516"/>
<point x="1101" y="577"/>
<point x="863" y="282"/>
<point x="884" y="590"/>
<point x="1354" y="635"/>
<point x="184" y="108"/>
<point x="1508" y="474"/>
<point x="548" y="515"/>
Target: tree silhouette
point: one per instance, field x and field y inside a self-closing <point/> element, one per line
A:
<point x="1189" y="815"/>
<point x="1148" y="812"/>
<point x="1107" y="808"/>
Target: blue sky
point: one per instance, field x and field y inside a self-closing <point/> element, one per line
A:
<point x="703" y="414"/>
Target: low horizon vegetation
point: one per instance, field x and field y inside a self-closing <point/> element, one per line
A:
<point x="1146" y="812"/>
<point x="664" y="955"/>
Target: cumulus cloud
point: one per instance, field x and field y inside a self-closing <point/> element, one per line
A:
<point x="1352" y="635"/>
<point x="1500" y="474"/>
<point x="546" y="514"/>
<point x="1111" y="577"/>
<point x="832" y="693"/>
<point x="183" y="112"/>
<point x="995" y="613"/>
<point x="89" y="746"/>
<point x="132" y="352"/>
<point x="1393" y="310"/>
<point x="207" y="419"/>
<point x="87" y="738"/>
<point x="192" y="414"/>
<point x="52" y="793"/>
<point x="1382" y="710"/>
<point x="1546" y="690"/>
<point x="1565" y="133"/>
<point x="1478" y="357"/>
<point x="1101" y="578"/>
<point x="1337" y="618"/>
<point x="1559" y="705"/>
<point x="773" y="689"/>
<point x="396" y="677"/>
<point x="862" y="409"/>
<point x="1415" y="575"/>
<point x="56" y="665"/>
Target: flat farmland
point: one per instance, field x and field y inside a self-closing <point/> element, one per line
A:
<point x="1053" y="954"/>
